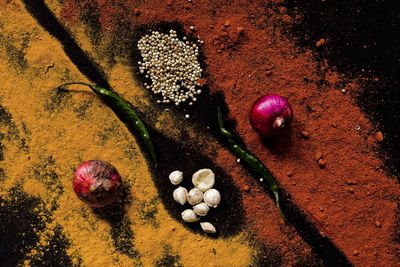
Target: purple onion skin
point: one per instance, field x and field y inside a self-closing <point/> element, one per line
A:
<point x="271" y="115"/>
<point x="97" y="183"/>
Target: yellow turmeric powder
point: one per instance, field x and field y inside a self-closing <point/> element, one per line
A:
<point x="47" y="133"/>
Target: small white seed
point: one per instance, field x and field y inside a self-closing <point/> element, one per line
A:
<point x="208" y="227"/>
<point x="180" y="195"/>
<point x="203" y="179"/>
<point x="195" y="196"/>
<point x="212" y="198"/>
<point x="189" y="216"/>
<point x="170" y="64"/>
<point x="201" y="209"/>
<point x="176" y="177"/>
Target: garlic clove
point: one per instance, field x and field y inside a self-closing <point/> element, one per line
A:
<point x="176" y="177"/>
<point x="195" y="196"/>
<point x="203" y="179"/>
<point x="201" y="209"/>
<point x="189" y="216"/>
<point x="212" y="198"/>
<point x="208" y="227"/>
<point x="180" y="195"/>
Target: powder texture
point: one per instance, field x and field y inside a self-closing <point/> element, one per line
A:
<point x="45" y="133"/>
<point x="331" y="172"/>
<point x="345" y="191"/>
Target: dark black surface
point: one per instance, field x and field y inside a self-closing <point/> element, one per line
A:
<point x="20" y="229"/>
<point x="363" y="40"/>
<point x="121" y="231"/>
<point x="204" y="110"/>
<point x="176" y="156"/>
<point x="55" y="253"/>
<point x="16" y="239"/>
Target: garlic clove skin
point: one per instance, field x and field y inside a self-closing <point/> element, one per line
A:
<point x="176" y="177"/>
<point x="195" y="196"/>
<point x="203" y="179"/>
<point x="212" y="198"/>
<point x="189" y="216"/>
<point x="180" y="195"/>
<point x="208" y="227"/>
<point x="201" y="209"/>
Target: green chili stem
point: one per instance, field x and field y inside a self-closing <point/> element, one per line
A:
<point x="252" y="161"/>
<point x="126" y="110"/>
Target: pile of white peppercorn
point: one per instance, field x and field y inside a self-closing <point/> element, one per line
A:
<point x="202" y="197"/>
<point x="172" y="66"/>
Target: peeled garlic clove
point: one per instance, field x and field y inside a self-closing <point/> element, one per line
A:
<point x="208" y="227"/>
<point x="212" y="198"/>
<point x="203" y="179"/>
<point x="176" y="177"/>
<point x="189" y="216"/>
<point x="201" y="209"/>
<point x="180" y="195"/>
<point x="194" y="196"/>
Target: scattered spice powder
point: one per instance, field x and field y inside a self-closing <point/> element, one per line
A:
<point x="316" y="107"/>
<point x="320" y="42"/>
<point x="62" y="129"/>
<point x="379" y="136"/>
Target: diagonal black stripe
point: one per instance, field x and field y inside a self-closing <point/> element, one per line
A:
<point x="39" y="10"/>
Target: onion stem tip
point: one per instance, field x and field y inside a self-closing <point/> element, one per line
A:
<point x="279" y="122"/>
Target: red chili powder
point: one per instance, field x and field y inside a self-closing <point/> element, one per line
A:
<point x="327" y="164"/>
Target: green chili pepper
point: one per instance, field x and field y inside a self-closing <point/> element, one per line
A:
<point x="252" y="161"/>
<point x="122" y="106"/>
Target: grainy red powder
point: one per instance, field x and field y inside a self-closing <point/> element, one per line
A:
<point x="331" y="169"/>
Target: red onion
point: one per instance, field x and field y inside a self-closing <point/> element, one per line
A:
<point x="271" y="115"/>
<point x="97" y="183"/>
